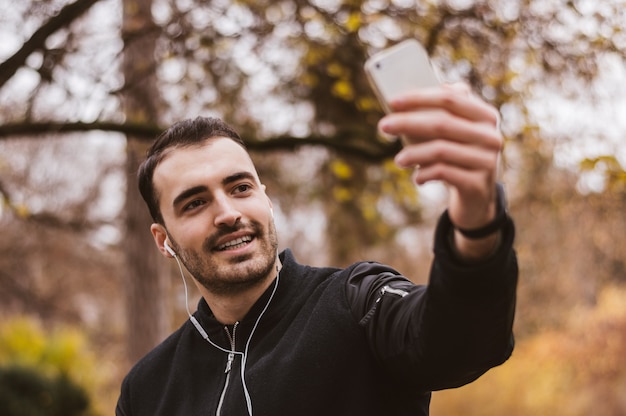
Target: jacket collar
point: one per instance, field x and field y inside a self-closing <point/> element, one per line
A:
<point x="287" y="283"/>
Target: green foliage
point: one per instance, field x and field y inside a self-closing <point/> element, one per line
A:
<point x="27" y="392"/>
<point x="55" y="372"/>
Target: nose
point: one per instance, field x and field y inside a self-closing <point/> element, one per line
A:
<point x="225" y="212"/>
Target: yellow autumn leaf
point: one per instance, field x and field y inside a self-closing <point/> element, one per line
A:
<point x="341" y="170"/>
<point x="369" y="212"/>
<point x="22" y="211"/>
<point x="354" y="22"/>
<point x="367" y="104"/>
<point x="343" y="89"/>
<point x="335" y="69"/>
<point x="342" y="194"/>
<point x="21" y="342"/>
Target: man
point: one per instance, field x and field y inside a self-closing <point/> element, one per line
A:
<point x="274" y="337"/>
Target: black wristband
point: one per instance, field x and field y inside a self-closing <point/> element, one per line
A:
<point x="497" y="223"/>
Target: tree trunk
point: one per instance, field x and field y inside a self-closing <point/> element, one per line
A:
<point x="348" y="233"/>
<point x="146" y="279"/>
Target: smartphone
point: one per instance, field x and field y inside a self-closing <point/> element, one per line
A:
<point x="400" y="68"/>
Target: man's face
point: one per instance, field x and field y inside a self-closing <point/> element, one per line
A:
<point x="217" y="215"/>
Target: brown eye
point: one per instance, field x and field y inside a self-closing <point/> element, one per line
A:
<point x="244" y="187"/>
<point x="193" y="204"/>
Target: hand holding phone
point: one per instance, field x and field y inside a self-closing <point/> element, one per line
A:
<point x="449" y="135"/>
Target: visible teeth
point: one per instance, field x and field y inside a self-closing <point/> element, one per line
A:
<point x="235" y="243"/>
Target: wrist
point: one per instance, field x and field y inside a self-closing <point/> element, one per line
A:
<point x="480" y="243"/>
<point x="494" y="225"/>
<point x="473" y="250"/>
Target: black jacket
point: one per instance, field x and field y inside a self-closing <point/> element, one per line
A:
<point x="358" y="341"/>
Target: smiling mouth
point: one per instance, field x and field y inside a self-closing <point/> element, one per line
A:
<point x="235" y="244"/>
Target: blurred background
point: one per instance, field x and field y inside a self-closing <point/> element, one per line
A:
<point x="86" y="85"/>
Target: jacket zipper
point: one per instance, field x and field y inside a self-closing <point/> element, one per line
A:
<point x="229" y="364"/>
<point x="383" y="291"/>
<point x="389" y="289"/>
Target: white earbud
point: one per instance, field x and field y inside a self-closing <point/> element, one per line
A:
<point x="169" y="249"/>
<point x="272" y="212"/>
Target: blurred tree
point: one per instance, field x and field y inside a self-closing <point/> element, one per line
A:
<point x="52" y="222"/>
<point x="288" y="74"/>
<point x="577" y="370"/>
<point x="25" y="392"/>
<point x="146" y="277"/>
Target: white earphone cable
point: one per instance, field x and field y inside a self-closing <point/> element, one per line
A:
<point x="203" y="333"/>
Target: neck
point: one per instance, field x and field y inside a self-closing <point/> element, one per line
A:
<point x="232" y="308"/>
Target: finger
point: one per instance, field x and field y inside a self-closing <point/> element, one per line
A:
<point x="460" y="87"/>
<point x="420" y="126"/>
<point x="449" y="153"/>
<point x="464" y="180"/>
<point x="455" y="99"/>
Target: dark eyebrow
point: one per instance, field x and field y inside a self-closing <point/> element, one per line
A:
<point x="201" y="188"/>
<point x="237" y="177"/>
<point x="188" y="193"/>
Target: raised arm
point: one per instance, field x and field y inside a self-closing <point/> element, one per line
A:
<point x="452" y="136"/>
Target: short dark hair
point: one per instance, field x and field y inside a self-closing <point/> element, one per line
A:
<point x="184" y="133"/>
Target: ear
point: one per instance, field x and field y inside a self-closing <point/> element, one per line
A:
<point x="159" y="233"/>
<point x="269" y="201"/>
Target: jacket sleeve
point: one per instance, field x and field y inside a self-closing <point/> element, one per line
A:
<point x="121" y="406"/>
<point x="449" y="332"/>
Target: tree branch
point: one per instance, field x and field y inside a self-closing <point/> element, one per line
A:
<point x="142" y="131"/>
<point x="37" y="41"/>
<point x="357" y="142"/>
